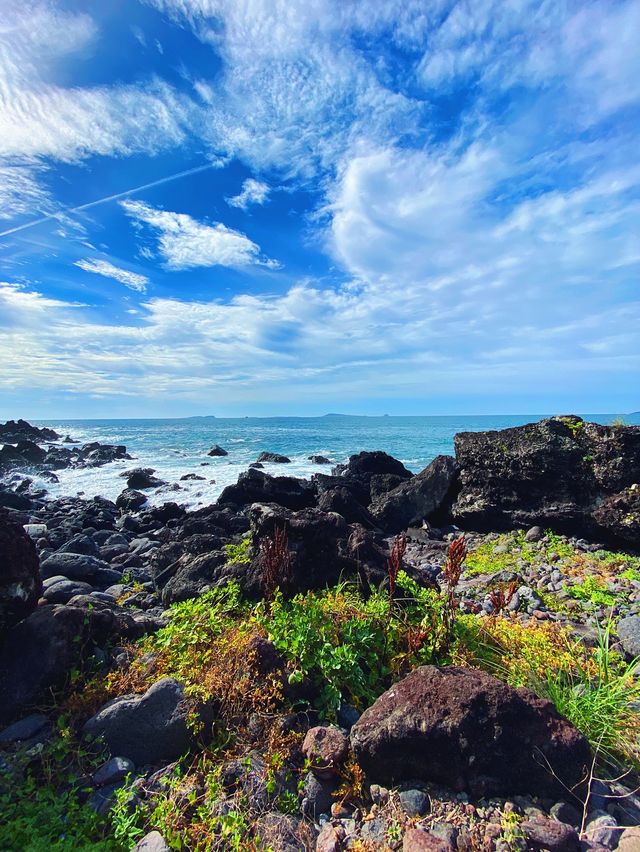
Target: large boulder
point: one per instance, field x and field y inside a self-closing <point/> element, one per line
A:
<point x="371" y="464"/>
<point x="553" y="473"/>
<point x="255" y="486"/>
<point x="149" y="728"/>
<point x="322" y="549"/>
<point x="142" y="478"/>
<point x="417" y="498"/>
<point x="130" y="500"/>
<point x="470" y="732"/>
<point x="273" y="458"/>
<point x="190" y="575"/>
<point x="40" y="652"/>
<point x="20" y="583"/>
<point x="79" y="566"/>
<point x="19" y="430"/>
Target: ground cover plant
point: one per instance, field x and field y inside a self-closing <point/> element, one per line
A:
<point x="337" y="648"/>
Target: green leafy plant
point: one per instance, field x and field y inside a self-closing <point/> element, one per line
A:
<point x="239" y="553"/>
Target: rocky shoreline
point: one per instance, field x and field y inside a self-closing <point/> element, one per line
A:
<point x="442" y="754"/>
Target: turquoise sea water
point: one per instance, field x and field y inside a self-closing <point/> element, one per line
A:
<point x="176" y="447"/>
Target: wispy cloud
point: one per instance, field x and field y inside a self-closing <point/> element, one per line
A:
<point x="185" y="243"/>
<point x="253" y="192"/>
<point x="132" y="280"/>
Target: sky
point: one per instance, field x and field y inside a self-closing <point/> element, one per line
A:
<point x="267" y="207"/>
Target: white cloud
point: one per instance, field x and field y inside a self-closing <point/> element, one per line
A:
<point x="132" y="280"/>
<point x="41" y="119"/>
<point x="185" y="243"/>
<point x="253" y="192"/>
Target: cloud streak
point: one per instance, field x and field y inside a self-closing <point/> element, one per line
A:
<point x="132" y="280"/>
<point x="185" y="243"/>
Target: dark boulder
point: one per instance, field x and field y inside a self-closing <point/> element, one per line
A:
<point x="11" y="500"/>
<point x="190" y="575"/>
<point x="273" y="458"/>
<point x="618" y="516"/>
<point x="217" y="451"/>
<point x="19" y="430"/>
<point x="141" y="478"/>
<point x="469" y="731"/>
<point x="20" y="583"/>
<point x="39" y="653"/>
<point x="130" y="500"/>
<point x="417" y="498"/>
<point x="149" y="728"/>
<point x="319" y="460"/>
<point x="254" y="486"/>
<point x="382" y="483"/>
<point x="371" y="464"/>
<point x="322" y="549"/>
<point x="342" y="501"/>
<point x="30" y="452"/>
<point x="80" y="543"/>
<point x="78" y="566"/>
<point x="63" y="590"/>
<point x="553" y="473"/>
<point x="97" y="455"/>
<point x="192" y="477"/>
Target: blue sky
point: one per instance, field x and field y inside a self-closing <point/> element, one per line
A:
<point x="265" y="207"/>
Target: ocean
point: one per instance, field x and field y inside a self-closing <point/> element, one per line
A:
<point x="175" y="447"/>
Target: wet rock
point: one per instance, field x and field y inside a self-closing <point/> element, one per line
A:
<point x="20" y="430"/>
<point x="216" y="450"/>
<point x="417" y="498"/>
<point x="468" y="731"/>
<point x="145" y="728"/>
<point x="20" y="583"/>
<point x="192" y="477"/>
<point x="319" y="460"/>
<point x="272" y="458"/>
<point x="142" y="478"/>
<point x="130" y="500"/>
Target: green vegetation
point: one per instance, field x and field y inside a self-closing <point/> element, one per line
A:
<point x="336" y="646"/>
<point x="239" y="553"/>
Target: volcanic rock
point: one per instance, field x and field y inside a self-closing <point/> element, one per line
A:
<point x="469" y="731"/>
<point x="20" y="583"/>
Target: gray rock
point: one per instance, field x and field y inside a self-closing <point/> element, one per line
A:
<point x="62" y="591"/>
<point x="629" y="635"/>
<point x="78" y="566"/>
<point x="564" y="812"/>
<point x="25" y="728"/>
<point x="112" y="771"/>
<point x="414" y="802"/>
<point x="602" y="828"/>
<point x="417" y="498"/>
<point x="152" y="842"/>
<point x="534" y="534"/>
<point x="629" y="840"/>
<point x="318" y="795"/>
<point x="145" y="728"/>
<point x="374" y="831"/>
<point x="80" y="544"/>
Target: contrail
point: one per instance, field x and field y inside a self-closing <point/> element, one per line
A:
<point x="108" y="198"/>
